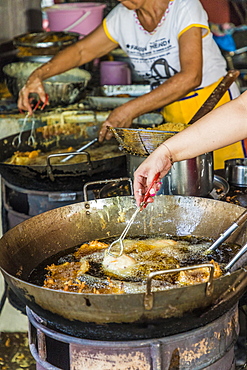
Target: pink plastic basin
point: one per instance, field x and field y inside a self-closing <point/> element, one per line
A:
<point x="76" y="17"/>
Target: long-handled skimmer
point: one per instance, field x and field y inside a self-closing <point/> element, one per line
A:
<point x="238" y="222"/>
<point x="85" y="146"/>
<point x="139" y="209"/>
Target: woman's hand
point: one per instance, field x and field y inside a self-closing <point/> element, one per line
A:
<point x="119" y="117"/>
<point x="159" y="161"/>
<point x="33" y="85"/>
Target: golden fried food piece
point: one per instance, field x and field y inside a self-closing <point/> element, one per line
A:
<point x="120" y="267"/>
<point x="65" y="276"/>
<point x="70" y="277"/>
<point x="39" y="158"/>
<point x="93" y="270"/>
<point x="89" y="248"/>
<point x="23" y="158"/>
<point x="172" y="127"/>
<point x="197" y="276"/>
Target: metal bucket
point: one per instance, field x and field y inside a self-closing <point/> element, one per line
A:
<point x="191" y="177"/>
<point x="236" y="171"/>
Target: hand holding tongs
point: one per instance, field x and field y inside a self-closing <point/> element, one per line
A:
<point x="38" y="103"/>
<point x="143" y="205"/>
<point x="31" y="139"/>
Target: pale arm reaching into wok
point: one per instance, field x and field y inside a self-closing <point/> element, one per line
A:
<point x="221" y="127"/>
<point x="93" y="46"/>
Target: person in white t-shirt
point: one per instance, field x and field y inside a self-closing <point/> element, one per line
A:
<point x="169" y="44"/>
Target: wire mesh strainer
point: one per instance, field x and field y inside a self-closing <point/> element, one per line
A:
<point x="141" y="142"/>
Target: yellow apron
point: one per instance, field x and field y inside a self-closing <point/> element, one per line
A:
<point x="184" y="109"/>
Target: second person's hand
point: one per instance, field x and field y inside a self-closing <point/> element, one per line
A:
<point x="119" y="117"/>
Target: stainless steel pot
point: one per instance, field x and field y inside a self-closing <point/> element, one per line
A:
<point x="63" y="89"/>
<point x="192" y="177"/>
<point x="236" y="171"/>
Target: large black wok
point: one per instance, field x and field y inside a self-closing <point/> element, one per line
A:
<point x="57" y="177"/>
<point x="125" y="316"/>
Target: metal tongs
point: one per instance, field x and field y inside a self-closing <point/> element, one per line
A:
<point x="31" y="140"/>
<point x="143" y="205"/>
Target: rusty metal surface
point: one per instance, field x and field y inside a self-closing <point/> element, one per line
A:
<point x="210" y="347"/>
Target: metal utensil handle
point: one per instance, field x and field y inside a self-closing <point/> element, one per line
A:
<point x="147" y="194"/>
<point x="143" y="205"/>
<point x="48" y="159"/>
<point x="19" y="136"/>
<point x="239" y="221"/>
<point x="236" y="257"/>
<point x="49" y="166"/>
<point x="242" y="218"/>
<point x="31" y="139"/>
<point x="79" y="150"/>
<point x="139" y="209"/>
<point x="148" y="297"/>
<point x="216" y="95"/>
<point x="99" y="182"/>
<point x="122" y="236"/>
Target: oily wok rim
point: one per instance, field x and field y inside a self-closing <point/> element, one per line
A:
<point x="93" y="315"/>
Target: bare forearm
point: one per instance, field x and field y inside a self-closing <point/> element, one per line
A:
<point x="92" y="46"/>
<point x="223" y="126"/>
<point x="158" y="98"/>
<point x="180" y="84"/>
<point x="172" y="90"/>
<point x="59" y="63"/>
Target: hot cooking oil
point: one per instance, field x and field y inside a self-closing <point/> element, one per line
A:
<point x="82" y="269"/>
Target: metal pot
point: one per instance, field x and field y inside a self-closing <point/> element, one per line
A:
<point x="193" y="177"/>
<point x="44" y="43"/>
<point x="63" y="89"/>
<point x="236" y="171"/>
<point x="122" y="316"/>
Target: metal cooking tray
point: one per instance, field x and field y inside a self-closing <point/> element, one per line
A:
<point x="140" y="142"/>
<point x="105" y="102"/>
<point x="131" y="90"/>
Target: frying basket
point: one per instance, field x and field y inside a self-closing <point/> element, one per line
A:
<point x="141" y="142"/>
